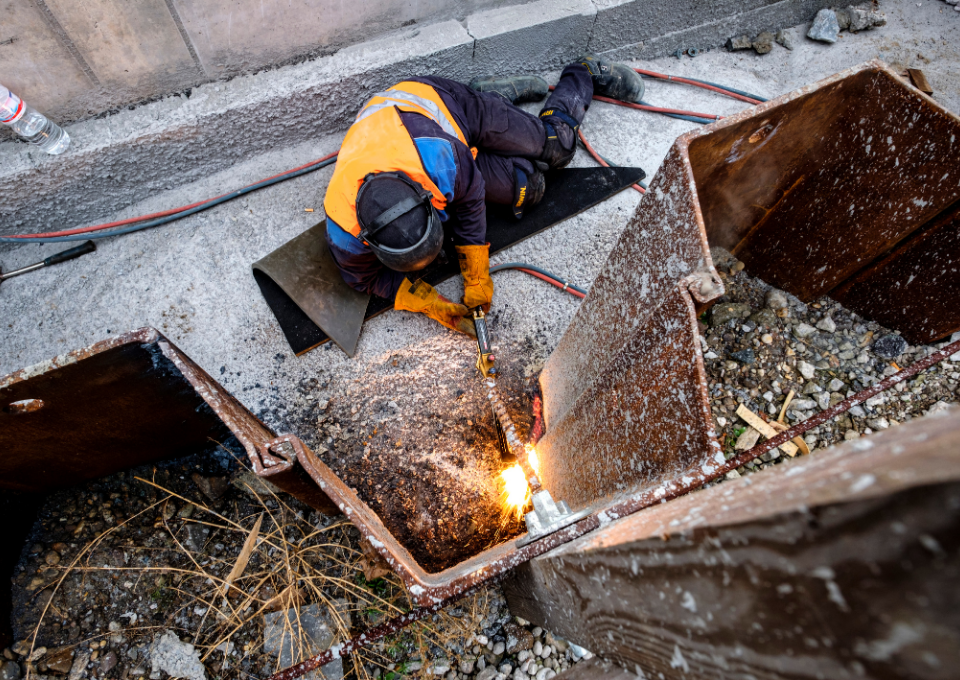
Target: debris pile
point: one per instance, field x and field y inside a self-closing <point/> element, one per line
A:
<point x="760" y="343"/>
<point x="415" y="437"/>
<point x="826" y="27"/>
<point x="828" y="23"/>
<point x="191" y="571"/>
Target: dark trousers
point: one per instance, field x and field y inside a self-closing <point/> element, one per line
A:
<point x="506" y="136"/>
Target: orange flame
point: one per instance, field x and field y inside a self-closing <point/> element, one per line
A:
<point x="516" y="491"/>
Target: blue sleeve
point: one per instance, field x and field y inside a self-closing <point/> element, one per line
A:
<point x="359" y="265"/>
<point x="451" y="166"/>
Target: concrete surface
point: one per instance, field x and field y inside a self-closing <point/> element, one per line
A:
<point x="183" y="137"/>
<point x="77" y="59"/>
<point x="192" y="279"/>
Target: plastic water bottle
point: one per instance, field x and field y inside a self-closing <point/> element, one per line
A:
<point x="32" y="125"/>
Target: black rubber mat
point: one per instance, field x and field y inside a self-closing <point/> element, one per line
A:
<point x="569" y="192"/>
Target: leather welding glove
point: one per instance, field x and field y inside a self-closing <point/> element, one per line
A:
<point x="475" y="270"/>
<point x="423" y="298"/>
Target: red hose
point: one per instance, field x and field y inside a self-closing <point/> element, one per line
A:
<point x="656" y="109"/>
<point x="600" y="160"/>
<point x="172" y="211"/>
<point x="552" y="281"/>
<point x="685" y="81"/>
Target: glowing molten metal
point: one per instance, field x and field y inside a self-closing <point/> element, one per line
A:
<point x="516" y="491"/>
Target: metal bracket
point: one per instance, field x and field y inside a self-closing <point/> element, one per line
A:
<point x="548" y="516"/>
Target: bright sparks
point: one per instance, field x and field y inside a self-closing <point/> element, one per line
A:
<point x="516" y="491"/>
<point x="532" y="459"/>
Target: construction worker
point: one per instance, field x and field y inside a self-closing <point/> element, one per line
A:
<point x="430" y="149"/>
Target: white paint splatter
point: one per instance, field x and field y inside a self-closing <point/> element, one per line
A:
<point x="677" y="661"/>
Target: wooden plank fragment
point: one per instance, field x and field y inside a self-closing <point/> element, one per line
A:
<point x="766" y="429"/>
<point x="920" y="80"/>
<point x="807" y="569"/>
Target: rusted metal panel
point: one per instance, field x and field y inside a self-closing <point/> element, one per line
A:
<point x="661" y="245"/>
<point x="916" y="288"/>
<point x="111" y="406"/>
<point x="122" y="402"/>
<point x="644" y="419"/>
<point x="813" y="187"/>
<point x="842" y="564"/>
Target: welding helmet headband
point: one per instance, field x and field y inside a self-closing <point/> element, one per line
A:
<point x="398" y="221"/>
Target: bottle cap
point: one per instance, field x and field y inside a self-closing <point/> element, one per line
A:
<point x="11" y="106"/>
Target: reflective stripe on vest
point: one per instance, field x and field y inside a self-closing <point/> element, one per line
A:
<point x="378" y="143"/>
<point x="419" y="98"/>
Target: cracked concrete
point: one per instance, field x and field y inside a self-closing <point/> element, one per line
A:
<point x="192" y="278"/>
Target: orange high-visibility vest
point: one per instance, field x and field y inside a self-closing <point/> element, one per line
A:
<point x="378" y="142"/>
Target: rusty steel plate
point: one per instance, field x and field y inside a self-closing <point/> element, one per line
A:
<point x="644" y="419"/>
<point x="129" y="400"/>
<point x="824" y="186"/>
<point x="89" y="413"/>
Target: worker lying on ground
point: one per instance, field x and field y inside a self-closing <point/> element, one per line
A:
<point x="429" y="149"/>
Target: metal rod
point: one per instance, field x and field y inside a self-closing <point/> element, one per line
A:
<point x="627" y="507"/>
<point x="510" y="433"/>
<point x="22" y="270"/>
<point x="394" y="625"/>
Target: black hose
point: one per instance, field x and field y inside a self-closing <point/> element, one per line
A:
<point x="171" y="218"/>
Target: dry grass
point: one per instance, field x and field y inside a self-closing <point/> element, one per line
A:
<point x="285" y="564"/>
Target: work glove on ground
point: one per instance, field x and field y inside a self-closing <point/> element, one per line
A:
<point x="475" y="270"/>
<point x="613" y="79"/>
<point x="423" y="298"/>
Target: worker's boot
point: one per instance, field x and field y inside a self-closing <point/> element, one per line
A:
<point x="516" y="89"/>
<point x="613" y="79"/>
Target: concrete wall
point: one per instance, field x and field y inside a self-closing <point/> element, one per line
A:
<point x="75" y="59"/>
<point x="124" y="158"/>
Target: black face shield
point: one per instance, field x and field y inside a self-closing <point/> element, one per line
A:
<point x="398" y="221"/>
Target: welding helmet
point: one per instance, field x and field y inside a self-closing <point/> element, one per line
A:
<point x="398" y="221"/>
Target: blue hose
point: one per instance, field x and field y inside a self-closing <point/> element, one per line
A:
<point x="170" y="218"/>
<point x="707" y="82"/>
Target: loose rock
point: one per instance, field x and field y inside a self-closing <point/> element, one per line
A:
<point x="784" y="40"/>
<point x="176" y="658"/>
<point x="889" y="346"/>
<point x="742" y="42"/>
<point x="775" y="299"/>
<point x="10" y="670"/>
<point x="765" y="317"/>
<point x="518" y="638"/>
<point x="108" y="662"/>
<point x="763" y="43"/>
<point x="865" y="17"/>
<point x="724" y="312"/>
<point x="825" y="27"/>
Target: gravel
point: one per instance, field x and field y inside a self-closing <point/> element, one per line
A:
<point x="821" y="351"/>
<point x="134" y="613"/>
